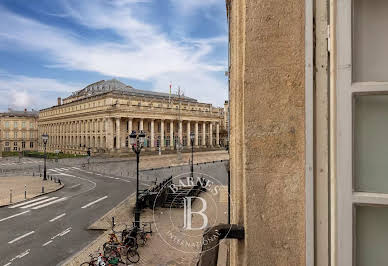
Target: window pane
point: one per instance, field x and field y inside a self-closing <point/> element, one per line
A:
<point x="370" y="40"/>
<point x="371" y="143"/>
<point x="371" y="236"/>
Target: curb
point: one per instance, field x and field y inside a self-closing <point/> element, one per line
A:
<point x="62" y="186"/>
<point x="90" y="227"/>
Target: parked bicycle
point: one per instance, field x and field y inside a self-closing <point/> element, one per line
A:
<point x="126" y="247"/>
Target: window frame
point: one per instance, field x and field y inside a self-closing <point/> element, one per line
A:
<point x="345" y="198"/>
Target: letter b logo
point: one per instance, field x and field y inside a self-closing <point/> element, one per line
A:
<point x="188" y="214"/>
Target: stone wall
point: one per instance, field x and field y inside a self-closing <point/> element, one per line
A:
<point x="267" y="130"/>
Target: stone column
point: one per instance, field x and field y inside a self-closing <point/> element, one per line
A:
<point x="152" y="138"/>
<point x="102" y="127"/>
<point x="217" y="134"/>
<point x="141" y="124"/>
<point x="162" y="134"/>
<point x="130" y="123"/>
<point x="118" y="133"/>
<point x="203" y="133"/>
<point x="188" y="134"/>
<point x="211" y="134"/>
<point x="180" y="133"/>
<point x="196" y="134"/>
<point x="109" y="133"/>
<point x="171" y="134"/>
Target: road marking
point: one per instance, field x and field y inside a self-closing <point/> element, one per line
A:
<point x="20" y="237"/>
<point x="94" y="202"/>
<point x="37" y="203"/>
<point x="9" y="263"/>
<point x="47" y="204"/>
<point x="58" y="217"/>
<point x="25" y="253"/>
<point x="48" y="242"/>
<point x="28" y="202"/>
<point x="75" y="186"/>
<point x="9" y="217"/>
<point x="62" y="233"/>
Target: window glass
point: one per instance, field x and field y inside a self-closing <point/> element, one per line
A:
<point x="370" y="39"/>
<point x="371" y="236"/>
<point x="371" y="143"/>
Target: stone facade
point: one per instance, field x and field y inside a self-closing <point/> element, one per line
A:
<point x="18" y="130"/>
<point x="267" y="131"/>
<point x="102" y="115"/>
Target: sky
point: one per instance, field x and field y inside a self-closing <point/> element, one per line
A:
<point x="49" y="49"/>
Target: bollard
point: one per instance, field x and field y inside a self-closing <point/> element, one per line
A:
<point x="25" y="191"/>
<point x="33" y="173"/>
<point x="51" y="178"/>
<point x="42" y="189"/>
<point x="59" y="181"/>
<point x="10" y="195"/>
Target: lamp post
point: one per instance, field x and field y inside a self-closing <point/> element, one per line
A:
<point x="192" y="154"/>
<point x="137" y="143"/>
<point x="45" y="139"/>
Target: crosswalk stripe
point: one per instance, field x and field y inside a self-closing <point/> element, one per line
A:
<point x="28" y="202"/>
<point x="94" y="202"/>
<point x="39" y="202"/>
<point x="12" y="216"/>
<point x="47" y="204"/>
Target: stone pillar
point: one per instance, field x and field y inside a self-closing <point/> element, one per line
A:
<point x="109" y="133"/>
<point x="203" y="133"/>
<point x="196" y="134"/>
<point x="102" y="132"/>
<point x="162" y="134"/>
<point x="152" y="138"/>
<point x="180" y="133"/>
<point x="217" y="134"/>
<point x="130" y="123"/>
<point x="141" y="124"/>
<point x="188" y="134"/>
<point x="171" y="134"/>
<point x="211" y="134"/>
<point x="118" y="133"/>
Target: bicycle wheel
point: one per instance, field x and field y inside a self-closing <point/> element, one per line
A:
<point x="133" y="256"/>
<point x="141" y="239"/>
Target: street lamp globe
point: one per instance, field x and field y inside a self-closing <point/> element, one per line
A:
<point x="141" y="137"/>
<point x="132" y="138"/>
<point x="192" y="136"/>
<point x="45" y="138"/>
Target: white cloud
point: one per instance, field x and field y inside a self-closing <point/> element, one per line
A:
<point x="18" y="91"/>
<point x="141" y="52"/>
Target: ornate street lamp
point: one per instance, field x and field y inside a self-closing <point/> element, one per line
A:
<point x="137" y="143"/>
<point x="45" y="139"/>
<point x="192" y="153"/>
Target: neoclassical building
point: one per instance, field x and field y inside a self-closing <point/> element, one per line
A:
<point x="102" y="115"/>
<point x="18" y="130"/>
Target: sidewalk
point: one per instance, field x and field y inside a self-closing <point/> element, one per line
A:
<point x="33" y="185"/>
<point x="156" y="251"/>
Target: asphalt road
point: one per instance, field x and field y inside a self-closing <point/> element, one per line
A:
<point x="50" y="229"/>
